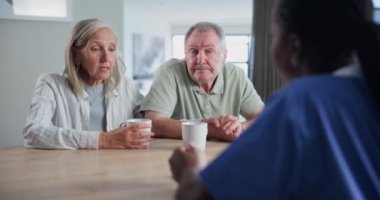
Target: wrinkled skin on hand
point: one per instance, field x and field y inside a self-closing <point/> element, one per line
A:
<point x="131" y="137"/>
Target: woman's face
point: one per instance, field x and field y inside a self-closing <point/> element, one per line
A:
<point x="98" y="57"/>
<point x="285" y="49"/>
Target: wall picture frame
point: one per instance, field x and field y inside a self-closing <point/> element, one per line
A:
<point x="148" y="55"/>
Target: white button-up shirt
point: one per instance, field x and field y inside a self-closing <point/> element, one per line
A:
<point x="58" y="119"/>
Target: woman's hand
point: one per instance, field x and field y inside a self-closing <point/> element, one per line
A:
<point x="131" y="137"/>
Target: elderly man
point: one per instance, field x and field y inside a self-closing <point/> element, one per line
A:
<point x="202" y="87"/>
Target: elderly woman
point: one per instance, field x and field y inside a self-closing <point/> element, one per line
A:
<point x="83" y="108"/>
<point x="319" y="136"/>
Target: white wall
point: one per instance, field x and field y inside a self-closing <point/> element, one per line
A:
<point x="146" y="24"/>
<point x="29" y="48"/>
<point x="111" y="12"/>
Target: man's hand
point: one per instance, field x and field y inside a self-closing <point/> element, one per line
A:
<point x="224" y="127"/>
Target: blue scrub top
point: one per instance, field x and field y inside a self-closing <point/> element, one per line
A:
<point x="318" y="138"/>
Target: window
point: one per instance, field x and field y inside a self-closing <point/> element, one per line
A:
<point x="376" y="4"/>
<point x="237" y="49"/>
<point x="178" y="46"/>
<point x="57" y="10"/>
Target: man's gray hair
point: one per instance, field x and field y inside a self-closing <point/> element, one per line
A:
<point x="204" y="27"/>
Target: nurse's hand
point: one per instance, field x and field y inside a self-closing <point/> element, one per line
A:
<point x="183" y="159"/>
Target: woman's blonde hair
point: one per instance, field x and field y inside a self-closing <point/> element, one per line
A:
<point x="78" y="39"/>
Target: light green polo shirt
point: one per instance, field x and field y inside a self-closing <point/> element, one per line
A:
<point x="174" y="94"/>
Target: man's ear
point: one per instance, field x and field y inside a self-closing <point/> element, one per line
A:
<point x="224" y="55"/>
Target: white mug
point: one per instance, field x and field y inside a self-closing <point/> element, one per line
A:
<point x="194" y="133"/>
<point x="131" y="122"/>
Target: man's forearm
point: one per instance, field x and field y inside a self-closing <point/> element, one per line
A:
<point x="245" y="125"/>
<point x="167" y="128"/>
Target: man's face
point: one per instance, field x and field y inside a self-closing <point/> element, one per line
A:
<point x="204" y="57"/>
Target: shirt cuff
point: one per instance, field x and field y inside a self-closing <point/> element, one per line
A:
<point x="89" y="140"/>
